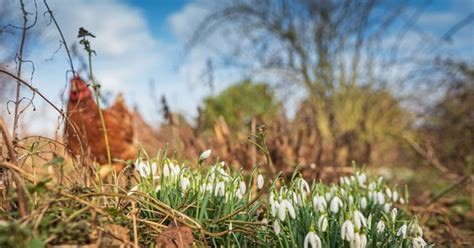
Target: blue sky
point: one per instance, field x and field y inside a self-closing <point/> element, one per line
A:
<point x="139" y="41"/>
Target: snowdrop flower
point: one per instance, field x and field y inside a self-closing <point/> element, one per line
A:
<point x="323" y="223"/>
<point x="328" y="196"/>
<point x="274" y="207"/>
<point x="347" y="181"/>
<point x="386" y="208"/>
<point x="220" y="189"/>
<point x="284" y="206"/>
<point x="380" y="198"/>
<point x="419" y="242"/>
<point x="242" y="188"/>
<point x="351" y="200"/>
<point x="145" y="169"/>
<point x="363" y="202"/>
<point x="298" y="199"/>
<point x="394" y="214"/>
<point x="343" y="192"/>
<point x="304" y="186"/>
<point x="360" y="241"/>
<point x="205" y="155"/>
<point x="166" y="170"/>
<point x="184" y="183"/>
<point x="388" y="192"/>
<point x="347" y="231"/>
<point x="174" y="169"/>
<point x="380" y="226"/>
<point x="356" y="242"/>
<point x="416" y="230"/>
<point x="276" y="227"/>
<point x="372" y="186"/>
<point x="336" y="203"/>
<point x="313" y="240"/>
<point x="402" y="201"/>
<point x="380" y="180"/>
<point x="359" y="220"/>
<point x="260" y="181"/>
<point x="402" y="231"/>
<point x="319" y="203"/>
<point x="361" y="178"/>
<point x="395" y="196"/>
<point x="371" y="195"/>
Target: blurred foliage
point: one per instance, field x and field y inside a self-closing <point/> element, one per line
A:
<point x="361" y="121"/>
<point x="238" y="104"/>
<point x="450" y="122"/>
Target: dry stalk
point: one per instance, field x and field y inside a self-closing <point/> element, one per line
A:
<point x="134" y="221"/>
<point x="20" y="187"/>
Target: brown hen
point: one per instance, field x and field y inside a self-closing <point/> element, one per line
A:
<point x="83" y="113"/>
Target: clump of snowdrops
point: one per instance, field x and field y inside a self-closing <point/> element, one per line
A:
<point x="223" y="209"/>
<point x="357" y="212"/>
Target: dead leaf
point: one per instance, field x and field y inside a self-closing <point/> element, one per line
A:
<point x="175" y="237"/>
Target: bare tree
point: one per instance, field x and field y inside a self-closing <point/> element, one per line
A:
<point x="327" y="47"/>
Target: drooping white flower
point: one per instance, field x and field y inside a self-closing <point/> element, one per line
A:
<point x="369" y="222"/>
<point x="363" y="240"/>
<point x="285" y="205"/>
<point x="347" y="231"/>
<point x="260" y="181"/>
<point x="276" y="227"/>
<point x="416" y="230"/>
<point x="386" y="208"/>
<point x="205" y="155"/>
<point x="363" y="202"/>
<point x="347" y="181"/>
<point x="380" y="226"/>
<point x="328" y="196"/>
<point x="343" y="192"/>
<point x="351" y="200"/>
<point x="402" y="232"/>
<point x="380" y="198"/>
<point x="146" y="169"/>
<point x="323" y="223"/>
<point x="274" y="208"/>
<point x="174" y="169"/>
<point x="355" y="243"/>
<point x="394" y="214"/>
<point x="184" y="183"/>
<point x="372" y="186"/>
<point x="336" y="203"/>
<point x="395" y="196"/>
<point x="166" y="170"/>
<point x="388" y="192"/>
<point x="419" y="242"/>
<point x="402" y="201"/>
<point x="304" y="186"/>
<point x="361" y="178"/>
<point x="319" y="203"/>
<point x="220" y="189"/>
<point x="242" y="188"/>
<point x="380" y="180"/>
<point x="359" y="220"/>
<point x="312" y="240"/>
